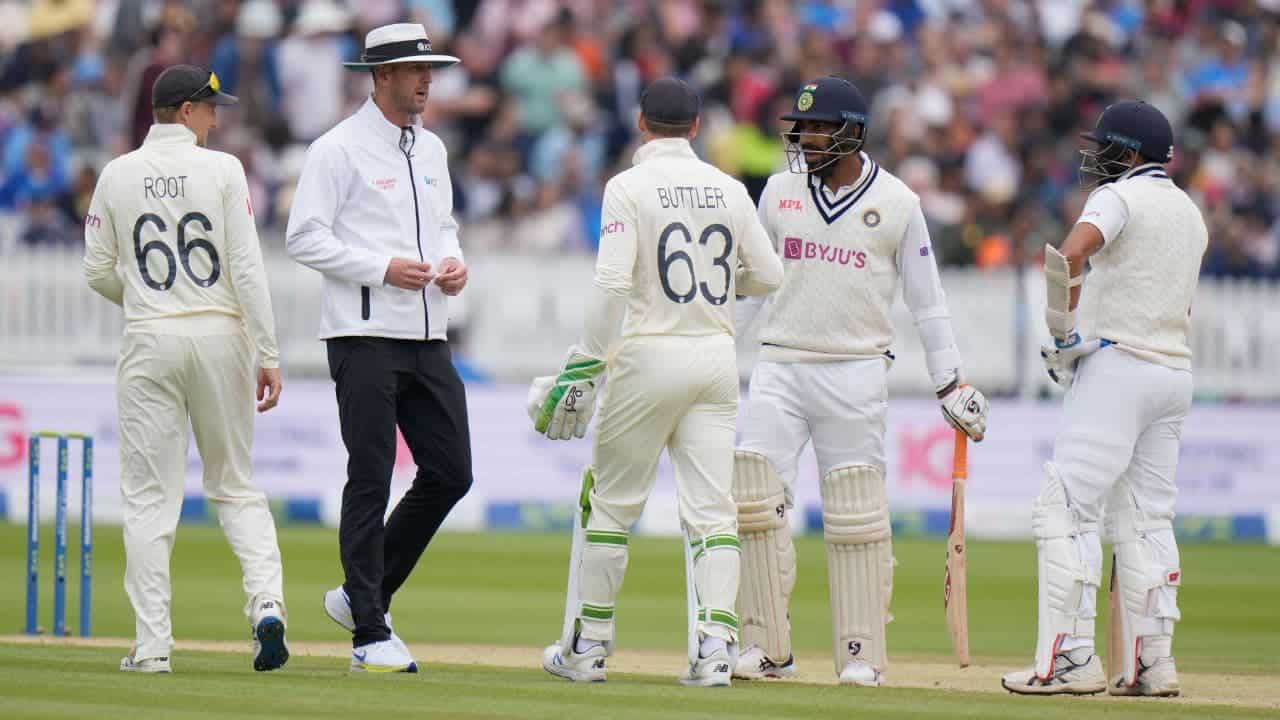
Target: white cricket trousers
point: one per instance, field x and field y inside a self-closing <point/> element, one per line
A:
<point x="1121" y="425"/>
<point x="681" y="394"/>
<point x="840" y="406"/>
<point x="165" y="384"/>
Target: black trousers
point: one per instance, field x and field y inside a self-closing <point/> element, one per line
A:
<point x="383" y="383"/>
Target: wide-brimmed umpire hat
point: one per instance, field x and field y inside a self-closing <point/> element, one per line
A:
<point x="399" y="43"/>
<point x="188" y="83"/>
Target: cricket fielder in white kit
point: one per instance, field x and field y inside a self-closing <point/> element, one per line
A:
<point x="849" y="231"/>
<point x="679" y="240"/>
<point x="170" y="236"/>
<point x="1130" y="389"/>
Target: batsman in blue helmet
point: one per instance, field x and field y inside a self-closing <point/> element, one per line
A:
<point x="849" y="233"/>
<point x="1120" y="346"/>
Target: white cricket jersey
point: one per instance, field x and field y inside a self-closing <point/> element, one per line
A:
<point x="843" y="253"/>
<point x="177" y="220"/>
<point x="680" y="239"/>
<point x="1141" y="284"/>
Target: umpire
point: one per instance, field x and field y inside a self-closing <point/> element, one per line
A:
<point x="373" y="213"/>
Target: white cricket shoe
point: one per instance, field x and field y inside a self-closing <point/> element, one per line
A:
<point x="589" y="666"/>
<point x="1159" y="679"/>
<point x="861" y="674"/>
<point x="753" y="664"/>
<point x="714" y="670"/>
<point x="384" y="656"/>
<point x="1075" y="672"/>
<point x="269" y="649"/>
<point x="338" y="607"/>
<point x="145" y="665"/>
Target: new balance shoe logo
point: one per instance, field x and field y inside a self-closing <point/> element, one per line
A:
<point x="598" y="664"/>
<point x="721" y="668"/>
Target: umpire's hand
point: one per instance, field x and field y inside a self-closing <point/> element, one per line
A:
<point x="452" y="277"/>
<point x="408" y="274"/>
<point x="268" y="388"/>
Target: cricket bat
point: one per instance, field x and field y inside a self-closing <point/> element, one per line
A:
<point x="1115" y="666"/>
<point x="954" y="594"/>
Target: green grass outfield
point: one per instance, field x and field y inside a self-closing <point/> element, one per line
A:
<point x="507" y="591"/>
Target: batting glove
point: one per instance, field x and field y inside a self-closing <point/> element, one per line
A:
<point x="570" y="398"/>
<point x="1061" y="357"/>
<point x="965" y="408"/>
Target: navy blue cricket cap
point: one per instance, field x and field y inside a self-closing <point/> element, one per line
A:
<point x="670" y="101"/>
<point x="829" y="99"/>
<point x="1137" y="126"/>
<point x="183" y="83"/>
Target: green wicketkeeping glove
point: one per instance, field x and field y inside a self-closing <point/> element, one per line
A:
<point x="570" y="401"/>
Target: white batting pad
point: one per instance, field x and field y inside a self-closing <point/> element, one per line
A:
<point x="855" y="524"/>
<point x="768" y="556"/>
<point x="1058" y="283"/>
<point x="1147" y="576"/>
<point x="1069" y="556"/>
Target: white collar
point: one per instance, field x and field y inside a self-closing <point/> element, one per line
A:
<point x="372" y="116"/>
<point x="866" y="170"/>
<point x="170" y="133"/>
<point x="663" y="147"/>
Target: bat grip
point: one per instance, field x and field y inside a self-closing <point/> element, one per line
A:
<point x="960" y="460"/>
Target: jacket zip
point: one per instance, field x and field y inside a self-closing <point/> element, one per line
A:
<point x="417" y="224"/>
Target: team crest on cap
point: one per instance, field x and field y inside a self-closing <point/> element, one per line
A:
<point x="805" y="101"/>
<point x="871" y="218"/>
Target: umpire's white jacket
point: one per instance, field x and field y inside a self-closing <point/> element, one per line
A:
<point x="362" y="201"/>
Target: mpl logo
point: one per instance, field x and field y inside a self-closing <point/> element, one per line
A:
<point x="787" y="204"/>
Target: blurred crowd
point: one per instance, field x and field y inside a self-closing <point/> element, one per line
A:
<point x="976" y="104"/>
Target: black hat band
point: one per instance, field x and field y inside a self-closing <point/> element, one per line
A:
<point x="396" y="50"/>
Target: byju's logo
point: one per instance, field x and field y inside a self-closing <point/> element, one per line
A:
<point x="798" y="249"/>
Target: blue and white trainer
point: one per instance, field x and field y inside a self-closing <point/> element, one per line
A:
<point x="270" y="652"/>
<point x="338" y="607"/>
<point x="383" y="656"/>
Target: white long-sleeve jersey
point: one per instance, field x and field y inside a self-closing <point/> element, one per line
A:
<point x="844" y="253"/>
<point x="170" y="236"/>
<point x="679" y="240"/>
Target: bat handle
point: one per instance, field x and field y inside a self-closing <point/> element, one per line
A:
<point x="960" y="460"/>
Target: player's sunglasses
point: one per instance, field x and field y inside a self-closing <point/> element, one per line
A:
<point x="211" y="88"/>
